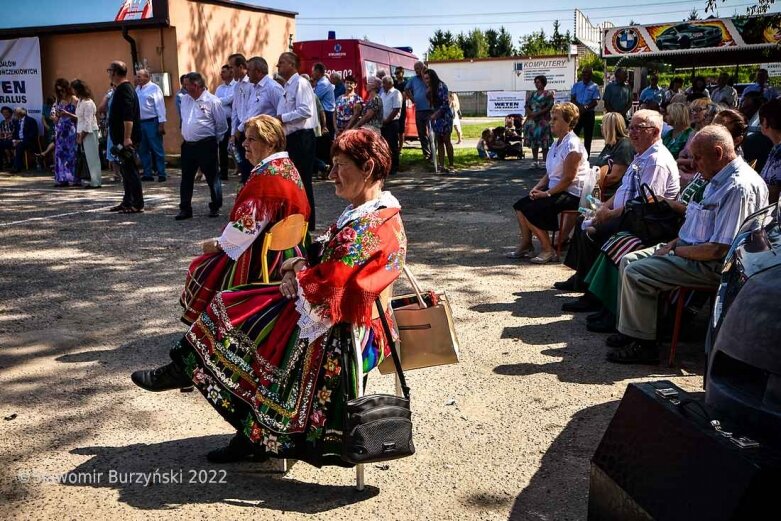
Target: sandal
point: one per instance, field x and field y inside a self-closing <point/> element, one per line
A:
<point x="637" y="352"/>
<point x="521" y="253"/>
<point x="117" y="208"/>
<point x="130" y="209"/>
<point x="544" y="258"/>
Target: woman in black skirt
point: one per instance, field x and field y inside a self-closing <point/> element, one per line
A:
<point x="558" y="190"/>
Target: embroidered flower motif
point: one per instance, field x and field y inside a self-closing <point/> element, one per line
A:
<point x="248" y="222"/>
<point x="323" y="396"/>
<point x="199" y="377"/>
<point x="332" y="368"/>
<point x="317" y="418"/>
<point x="347" y="235"/>
<point x="395" y="260"/>
<point x="256" y="433"/>
<point x="213" y="394"/>
<point x="271" y="443"/>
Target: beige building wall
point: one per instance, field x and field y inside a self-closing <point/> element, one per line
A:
<point x="200" y="38"/>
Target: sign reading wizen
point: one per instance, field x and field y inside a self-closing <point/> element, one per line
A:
<point x="20" y="75"/>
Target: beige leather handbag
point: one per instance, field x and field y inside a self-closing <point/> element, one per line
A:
<point x="426" y="333"/>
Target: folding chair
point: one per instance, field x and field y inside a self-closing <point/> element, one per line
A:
<point x="287" y="233"/>
<point x="683" y="296"/>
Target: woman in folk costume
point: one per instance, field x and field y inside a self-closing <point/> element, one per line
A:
<point x="277" y="361"/>
<point x="273" y="192"/>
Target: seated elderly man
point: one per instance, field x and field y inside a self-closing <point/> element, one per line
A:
<point x="652" y="165"/>
<point x="735" y="191"/>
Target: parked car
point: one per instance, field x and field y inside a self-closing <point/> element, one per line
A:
<point x="687" y="36"/>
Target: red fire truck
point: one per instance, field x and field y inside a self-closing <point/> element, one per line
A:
<point x="360" y="59"/>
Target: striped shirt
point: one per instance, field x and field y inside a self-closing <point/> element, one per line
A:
<point x="733" y="194"/>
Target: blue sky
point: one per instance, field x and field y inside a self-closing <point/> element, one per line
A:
<point x="401" y="23"/>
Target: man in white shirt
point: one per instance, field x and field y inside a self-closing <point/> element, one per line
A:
<point x="263" y="96"/>
<point x="298" y="114"/>
<point x="241" y="91"/>
<point x="203" y="125"/>
<point x="724" y="93"/>
<point x="152" y="105"/>
<point x="225" y="93"/>
<point x="391" y="112"/>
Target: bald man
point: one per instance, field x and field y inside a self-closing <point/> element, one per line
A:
<point x="695" y="258"/>
<point x="152" y="106"/>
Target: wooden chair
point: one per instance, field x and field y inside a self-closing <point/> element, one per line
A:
<point x="287" y="233"/>
<point x="683" y="296"/>
<point x="567" y="220"/>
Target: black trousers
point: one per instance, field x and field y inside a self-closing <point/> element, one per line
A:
<point x="324" y="142"/>
<point x="585" y="248"/>
<point x="586" y="124"/>
<point x="224" y="152"/>
<point x="301" y="149"/>
<point x="131" y="182"/>
<point x="421" y="121"/>
<point x="200" y="154"/>
<point x="391" y="134"/>
<point x="245" y="167"/>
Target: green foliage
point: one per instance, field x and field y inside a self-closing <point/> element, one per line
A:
<point x="446" y="52"/>
<point x="474" y="44"/>
<point x="597" y="66"/>
<point x="693" y="15"/>
<point x="440" y="39"/>
<point x="537" y="43"/>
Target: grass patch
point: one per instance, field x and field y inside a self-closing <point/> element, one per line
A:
<point x="473" y="130"/>
<point x="412" y="158"/>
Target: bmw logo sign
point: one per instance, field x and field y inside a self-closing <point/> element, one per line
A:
<point x="338" y="47"/>
<point x="626" y="40"/>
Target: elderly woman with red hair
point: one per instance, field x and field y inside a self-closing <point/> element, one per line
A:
<point x="274" y="360"/>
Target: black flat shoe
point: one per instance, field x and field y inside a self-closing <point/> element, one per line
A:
<point x="214" y="213"/>
<point x="599" y="315"/>
<point x="240" y="448"/>
<point x="117" y="208"/>
<point x="566" y="285"/>
<point x="606" y="324"/>
<point x="618" y="340"/>
<point x="181" y="216"/>
<point x="638" y="352"/>
<point x="164" y="378"/>
<point x="584" y="303"/>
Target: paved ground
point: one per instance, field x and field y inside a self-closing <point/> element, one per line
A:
<point x="88" y="296"/>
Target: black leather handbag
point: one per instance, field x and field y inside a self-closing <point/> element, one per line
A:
<point x="650" y="219"/>
<point x="378" y="427"/>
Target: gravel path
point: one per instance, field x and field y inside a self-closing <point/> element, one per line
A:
<point x="88" y="296"/>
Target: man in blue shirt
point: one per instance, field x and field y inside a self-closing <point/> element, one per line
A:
<point x="585" y="94"/>
<point x="653" y="92"/>
<point x="416" y="89"/>
<point x="760" y="85"/>
<point x="325" y="91"/>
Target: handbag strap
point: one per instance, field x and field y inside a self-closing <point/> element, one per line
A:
<point x="394" y="352"/>
<point x="645" y="191"/>
<point x="415" y="287"/>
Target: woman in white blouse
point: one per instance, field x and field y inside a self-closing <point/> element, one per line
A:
<point x="557" y="191"/>
<point x="87" y="130"/>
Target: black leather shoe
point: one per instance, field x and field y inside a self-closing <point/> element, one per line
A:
<point x="240" y="448"/>
<point x="181" y="216"/>
<point x="619" y="340"/>
<point x="566" y="285"/>
<point x="606" y="324"/>
<point x="214" y="213"/>
<point x="637" y="352"/>
<point x="163" y="378"/>
<point x="147" y="178"/>
<point x="584" y="303"/>
<point x="599" y="315"/>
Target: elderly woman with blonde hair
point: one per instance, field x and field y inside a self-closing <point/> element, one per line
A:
<point x="371" y="110"/>
<point x="701" y="113"/>
<point x="273" y="192"/>
<point x="557" y="191"/>
<point x="617" y="154"/>
<point x="678" y="118"/>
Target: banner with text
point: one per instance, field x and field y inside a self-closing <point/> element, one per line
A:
<point x="20" y="76"/>
<point x="504" y="103"/>
<point x="558" y="71"/>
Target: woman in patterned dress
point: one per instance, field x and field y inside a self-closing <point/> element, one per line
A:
<point x="348" y="106"/>
<point x="276" y="361"/>
<point x="441" y="119"/>
<point x="371" y="111"/>
<point x="64" y="116"/>
<point x="273" y="192"/>
<point x="536" y="131"/>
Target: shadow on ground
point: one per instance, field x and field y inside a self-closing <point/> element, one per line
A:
<point x="252" y="485"/>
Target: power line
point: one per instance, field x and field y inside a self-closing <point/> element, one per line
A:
<point x="510" y="13"/>
<point x="497" y="22"/>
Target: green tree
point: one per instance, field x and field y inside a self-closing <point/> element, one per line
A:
<point x="557" y="40"/>
<point x="536" y="44"/>
<point x="492" y="39"/>
<point x="445" y="52"/>
<point x="504" y="43"/>
<point x="474" y="44"/>
<point x="440" y="39"/>
<point x="693" y="15"/>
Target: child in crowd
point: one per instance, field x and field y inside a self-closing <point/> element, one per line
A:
<point x="484" y="144"/>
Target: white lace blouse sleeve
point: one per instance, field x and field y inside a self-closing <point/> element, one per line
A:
<point x="311" y="324"/>
<point x="238" y="235"/>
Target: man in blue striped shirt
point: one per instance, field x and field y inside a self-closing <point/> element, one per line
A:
<point x="585" y="94"/>
<point x="734" y="192"/>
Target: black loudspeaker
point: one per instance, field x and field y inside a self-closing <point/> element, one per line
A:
<point x="662" y="459"/>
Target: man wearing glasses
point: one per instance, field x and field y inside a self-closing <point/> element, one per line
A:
<point x="653" y="165"/>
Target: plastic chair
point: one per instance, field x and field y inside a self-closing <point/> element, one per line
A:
<point x="683" y="296"/>
<point x="287" y="233"/>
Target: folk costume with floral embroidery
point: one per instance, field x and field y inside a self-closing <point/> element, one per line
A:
<point x="273" y="192"/>
<point x="281" y="371"/>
